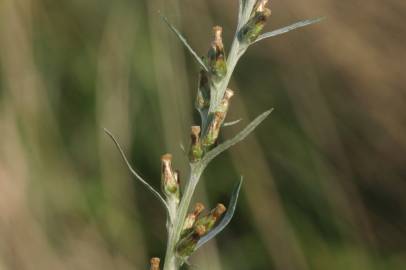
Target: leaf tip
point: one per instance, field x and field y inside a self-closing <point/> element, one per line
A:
<point x="316" y="20"/>
<point x="109" y="133"/>
<point x="268" y="112"/>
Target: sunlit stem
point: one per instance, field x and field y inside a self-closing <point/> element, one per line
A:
<point x="171" y="262"/>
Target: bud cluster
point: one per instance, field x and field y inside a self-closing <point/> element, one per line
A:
<point x="205" y="138"/>
<point x="195" y="228"/>
<point x="251" y="30"/>
<point x="202" y="139"/>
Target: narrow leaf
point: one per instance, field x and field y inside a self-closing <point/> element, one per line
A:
<point x="227" y="217"/>
<point x="241" y="9"/>
<point x="237" y="138"/>
<point x="286" y="29"/>
<point x="232" y="123"/>
<point x="183" y="40"/>
<point x="148" y="186"/>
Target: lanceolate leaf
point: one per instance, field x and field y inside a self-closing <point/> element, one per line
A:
<point x="227" y="217"/>
<point x="237" y="138"/>
<point x="148" y="186"/>
<point x="286" y="29"/>
<point x="183" y="40"/>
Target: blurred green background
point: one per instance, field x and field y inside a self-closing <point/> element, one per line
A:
<point x="324" y="175"/>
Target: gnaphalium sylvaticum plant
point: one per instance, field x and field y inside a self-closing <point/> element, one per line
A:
<point x="189" y="231"/>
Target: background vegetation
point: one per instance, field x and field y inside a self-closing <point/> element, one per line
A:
<point x="324" y="175"/>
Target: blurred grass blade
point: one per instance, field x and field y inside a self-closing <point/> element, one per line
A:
<point x="237" y="138"/>
<point x="148" y="186"/>
<point x="286" y="29"/>
<point x="227" y="217"/>
<point x="232" y="123"/>
<point x="176" y="31"/>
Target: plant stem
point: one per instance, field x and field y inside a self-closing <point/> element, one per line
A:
<point x="174" y="230"/>
<point x="175" y="227"/>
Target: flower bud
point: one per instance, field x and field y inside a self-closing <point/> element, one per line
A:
<point x="251" y="30"/>
<point x="225" y="102"/>
<point x="209" y="220"/>
<point x="154" y="263"/>
<point x="191" y="218"/>
<point x="187" y="245"/>
<point x="170" y="179"/>
<point x="217" y="120"/>
<point x="216" y="54"/>
<point x="196" y="151"/>
<point x="214" y="129"/>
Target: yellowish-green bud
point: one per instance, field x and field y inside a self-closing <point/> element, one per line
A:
<point x="214" y="129"/>
<point x="209" y="220"/>
<point x="191" y="218"/>
<point x="216" y="55"/>
<point x="217" y="120"/>
<point x="170" y="179"/>
<point x="251" y="30"/>
<point x="187" y="245"/>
